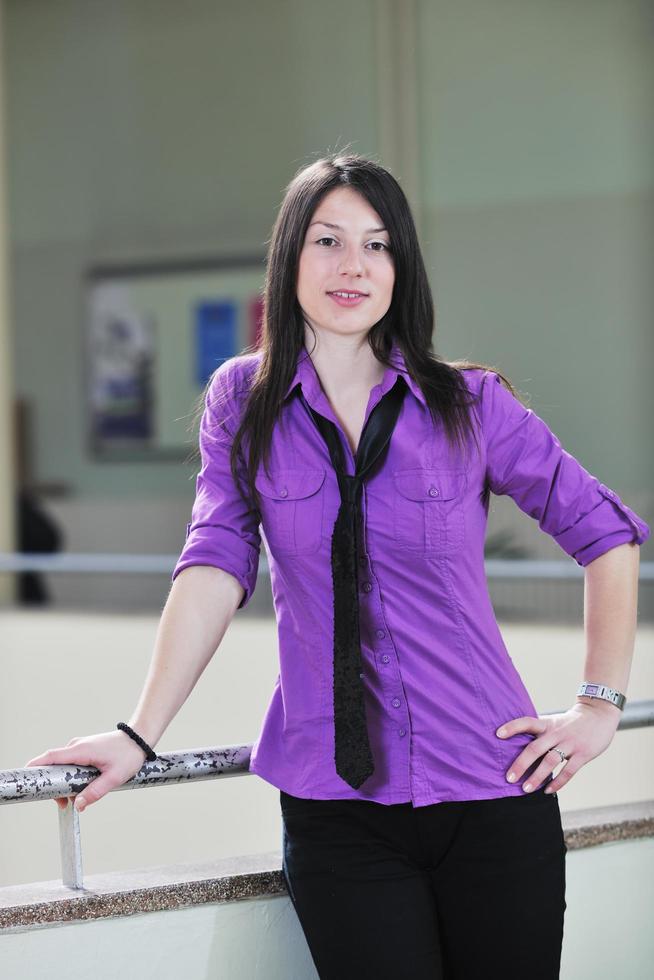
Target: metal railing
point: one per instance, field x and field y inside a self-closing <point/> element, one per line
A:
<point x="35" y="783"/>
<point x="74" y="562"/>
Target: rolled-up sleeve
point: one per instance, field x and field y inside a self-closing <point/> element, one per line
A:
<point x="224" y="529"/>
<point x="525" y="460"/>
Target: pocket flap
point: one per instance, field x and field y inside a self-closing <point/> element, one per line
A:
<point x="290" y="484"/>
<point x="430" y="484"/>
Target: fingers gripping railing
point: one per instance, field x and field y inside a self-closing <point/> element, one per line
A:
<point x="51" y="782"/>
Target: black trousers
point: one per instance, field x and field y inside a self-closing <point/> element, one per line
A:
<point x="451" y="891"/>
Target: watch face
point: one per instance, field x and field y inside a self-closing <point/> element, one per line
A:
<point x="592" y="689"/>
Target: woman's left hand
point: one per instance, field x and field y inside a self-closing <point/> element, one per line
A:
<point x="582" y="733"/>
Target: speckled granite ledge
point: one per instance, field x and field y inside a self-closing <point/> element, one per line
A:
<point x="153" y="889"/>
<point x="599" y="825"/>
<point x="246" y="877"/>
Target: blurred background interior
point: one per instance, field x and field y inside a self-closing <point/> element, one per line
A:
<point x="146" y="145"/>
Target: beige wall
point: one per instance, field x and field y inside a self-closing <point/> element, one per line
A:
<point x="67" y="675"/>
<point x="7" y="462"/>
<point x="537" y="159"/>
<point x="141" y="129"/>
<point x="522" y="134"/>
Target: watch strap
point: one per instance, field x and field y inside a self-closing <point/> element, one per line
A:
<point x="602" y="691"/>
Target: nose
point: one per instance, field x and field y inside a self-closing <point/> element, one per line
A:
<point x="351" y="261"/>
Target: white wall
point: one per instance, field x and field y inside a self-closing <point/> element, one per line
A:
<point x="259" y="939"/>
<point x="607" y="933"/>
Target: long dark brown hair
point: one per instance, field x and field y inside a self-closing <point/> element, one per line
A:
<point x="409" y="320"/>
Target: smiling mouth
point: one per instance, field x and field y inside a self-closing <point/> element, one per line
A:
<point x="346" y="293"/>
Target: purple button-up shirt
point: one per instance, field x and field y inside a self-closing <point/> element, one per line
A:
<point x="438" y="679"/>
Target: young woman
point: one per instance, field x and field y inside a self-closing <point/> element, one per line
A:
<point x="422" y="835"/>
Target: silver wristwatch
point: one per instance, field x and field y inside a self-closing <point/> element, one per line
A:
<point x="601" y="691"/>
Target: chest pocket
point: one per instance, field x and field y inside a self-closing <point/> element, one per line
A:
<point x="428" y="511"/>
<point x="292" y="504"/>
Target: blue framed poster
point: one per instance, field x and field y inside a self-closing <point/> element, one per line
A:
<point x="216" y="335"/>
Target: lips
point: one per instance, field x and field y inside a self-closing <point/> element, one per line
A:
<point x="347" y="301"/>
<point x="355" y="292"/>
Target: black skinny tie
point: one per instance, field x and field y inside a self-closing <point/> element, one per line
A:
<point x="353" y="756"/>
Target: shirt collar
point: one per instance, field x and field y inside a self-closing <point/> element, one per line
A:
<point x="306" y="375"/>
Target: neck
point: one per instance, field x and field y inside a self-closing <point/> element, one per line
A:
<point x="346" y="366"/>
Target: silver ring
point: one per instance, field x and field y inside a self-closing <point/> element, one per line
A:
<point x="564" y="757"/>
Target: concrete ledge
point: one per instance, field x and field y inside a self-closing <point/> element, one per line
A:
<point x="143" y="890"/>
<point x="599" y="825"/>
<point x="248" y="876"/>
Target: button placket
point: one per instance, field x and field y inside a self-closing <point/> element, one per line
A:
<point x="389" y="679"/>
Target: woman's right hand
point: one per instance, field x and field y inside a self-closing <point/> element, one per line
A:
<point x="115" y="754"/>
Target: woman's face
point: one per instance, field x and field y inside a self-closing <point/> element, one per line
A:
<point x="345" y="250"/>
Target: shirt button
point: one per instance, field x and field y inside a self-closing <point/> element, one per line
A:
<point x="396" y="702"/>
<point x="381" y="634"/>
<point x="401" y="732"/>
<point x="433" y="491"/>
<point x="283" y="492"/>
<point x="367" y="586"/>
<point x="385" y="659"/>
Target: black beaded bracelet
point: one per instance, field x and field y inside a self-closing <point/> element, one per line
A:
<point x="151" y="755"/>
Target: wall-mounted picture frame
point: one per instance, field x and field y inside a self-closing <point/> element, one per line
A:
<point x="154" y="334"/>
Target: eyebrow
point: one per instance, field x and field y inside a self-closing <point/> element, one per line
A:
<point x="328" y="224"/>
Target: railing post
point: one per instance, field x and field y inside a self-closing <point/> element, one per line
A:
<point x="70" y="845"/>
